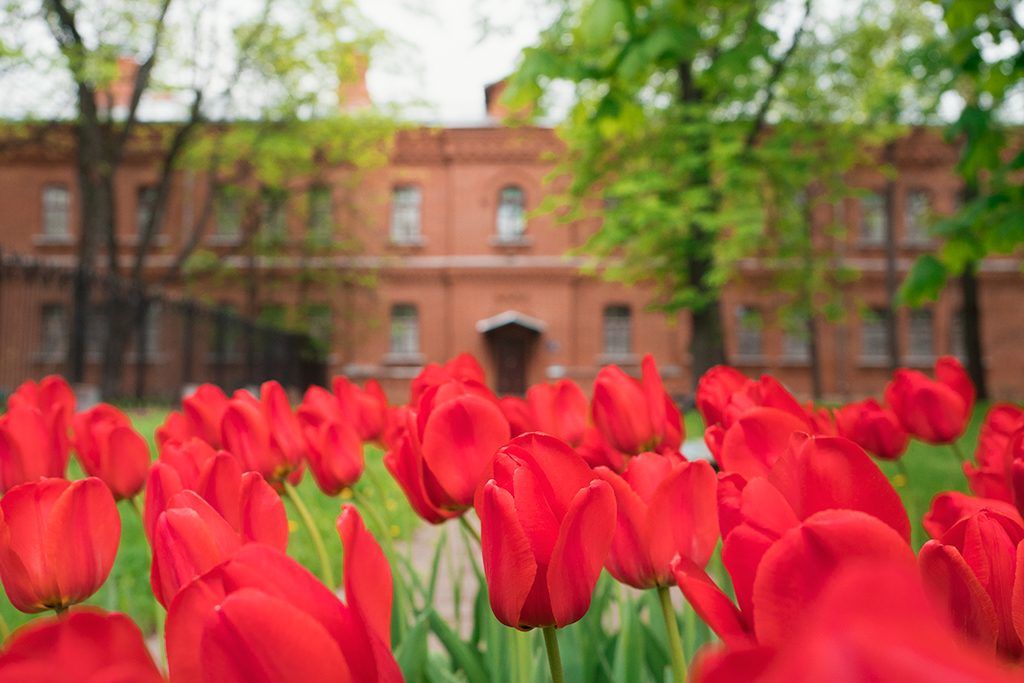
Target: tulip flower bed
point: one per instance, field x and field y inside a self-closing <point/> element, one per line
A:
<point x="569" y="538"/>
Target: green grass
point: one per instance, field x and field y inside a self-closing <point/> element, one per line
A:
<point x="930" y="469"/>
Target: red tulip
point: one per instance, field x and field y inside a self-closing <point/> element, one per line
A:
<point x="992" y="475"/>
<point x="56" y="401"/>
<point x="366" y="409"/>
<point x="636" y="416"/>
<point x="264" y="434"/>
<point x="724" y="395"/>
<point x="560" y="409"/>
<point x="27" y="449"/>
<point x="816" y="476"/>
<point x="261" y="616"/>
<point x="977" y="571"/>
<point x="715" y="391"/>
<point x="949" y="507"/>
<point x="85" y="646"/>
<point x="872" y="622"/>
<point x="335" y="455"/>
<point x="874" y="428"/>
<point x="58" y="540"/>
<point x="598" y="452"/>
<point x="463" y="368"/>
<point x="784" y="577"/>
<point x="109" y="448"/>
<point x="547" y="526"/>
<point x="199" y="529"/>
<point x="936" y="411"/>
<point x="666" y="507"/>
<point x="204" y="410"/>
<point x="517" y="412"/>
<point x="754" y="441"/>
<point x="442" y="452"/>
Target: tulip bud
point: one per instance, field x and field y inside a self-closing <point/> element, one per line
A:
<point x="935" y="411"/>
<point x="109" y="448"/>
<point x="58" y="540"/>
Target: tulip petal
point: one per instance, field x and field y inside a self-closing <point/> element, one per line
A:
<point x="581" y="550"/>
<point x="795" y="570"/>
<point x="834" y="473"/>
<point x="459" y="440"/>
<point x="712" y="605"/>
<point x="256" y="637"/>
<point x="682" y="518"/>
<point x="628" y="559"/>
<point x="262" y="515"/>
<point x="756" y="440"/>
<point x="82" y="535"/>
<point x="954" y="585"/>
<point x="509" y="564"/>
<point x="368" y="588"/>
<point x="220" y="485"/>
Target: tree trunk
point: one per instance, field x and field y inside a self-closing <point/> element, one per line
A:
<point x="706" y="341"/>
<point x="972" y="329"/>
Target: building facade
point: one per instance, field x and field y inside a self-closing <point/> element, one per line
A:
<point x="451" y="254"/>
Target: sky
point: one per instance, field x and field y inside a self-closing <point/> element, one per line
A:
<point x="443" y="56"/>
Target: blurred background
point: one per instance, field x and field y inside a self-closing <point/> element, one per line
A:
<point x="233" y="191"/>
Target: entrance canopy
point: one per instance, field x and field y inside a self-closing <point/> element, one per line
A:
<point x="510" y="319"/>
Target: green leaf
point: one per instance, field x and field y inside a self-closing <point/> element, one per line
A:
<point x="925" y="281"/>
<point x="411" y="653"/>
<point x="464" y="658"/>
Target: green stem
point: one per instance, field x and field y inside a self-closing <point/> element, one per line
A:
<point x="523" y="656"/>
<point x="318" y="541"/>
<point x="675" y="643"/>
<point x="470" y="530"/>
<point x="956" y="451"/>
<point x="136" y="505"/>
<point x="554" y="656"/>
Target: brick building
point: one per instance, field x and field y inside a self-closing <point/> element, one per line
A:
<point x="460" y="261"/>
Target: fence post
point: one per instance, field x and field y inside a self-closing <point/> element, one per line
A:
<point x="142" y="344"/>
<point x="219" y="342"/>
<point x="187" y="345"/>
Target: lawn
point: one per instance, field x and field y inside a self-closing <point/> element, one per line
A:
<point x="929" y="469"/>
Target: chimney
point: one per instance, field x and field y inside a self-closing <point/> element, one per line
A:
<point x="352" y="93"/>
<point x="498" y="110"/>
<point x="116" y="96"/>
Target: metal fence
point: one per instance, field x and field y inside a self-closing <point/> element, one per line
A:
<point x="135" y="344"/>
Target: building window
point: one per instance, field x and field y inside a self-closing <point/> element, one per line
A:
<point x="320" y="222"/>
<point x="145" y="204"/>
<point x="920" y="340"/>
<point x="511" y="214"/>
<point x="228" y="208"/>
<point x="274" y="225"/>
<point x="405" y="214"/>
<point x="874" y="336"/>
<point x="96" y="330"/>
<point x="618" y="330"/>
<point x="53" y="341"/>
<point x="56" y="211"/>
<point x="916" y="217"/>
<point x="749" y="325"/>
<point x="957" y="347"/>
<point x="872" y="219"/>
<point x="405" y="330"/>
<point x="150" y="340"/>
<point x="796" y="341"/>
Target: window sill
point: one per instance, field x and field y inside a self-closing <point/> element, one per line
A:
<point x="402" y="359"/>
<point x="521" y="242"/>
<point x="52" y="240"/>
<point x="873" y="362"/>
<point x="749" y="359"/>
<point x="157" y="241"/>
<point x="919" y="361"/>
<point x="407" y="244"/>
<point x="618" y="359"/>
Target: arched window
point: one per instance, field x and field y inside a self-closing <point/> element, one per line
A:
<point x="405" y="329"/>
<point x="617" y="330"/>
<point x="511" y="214"/>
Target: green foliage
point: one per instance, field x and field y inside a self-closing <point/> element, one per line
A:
<point x="700" y="131"/>
<point x="983" y="42"/>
